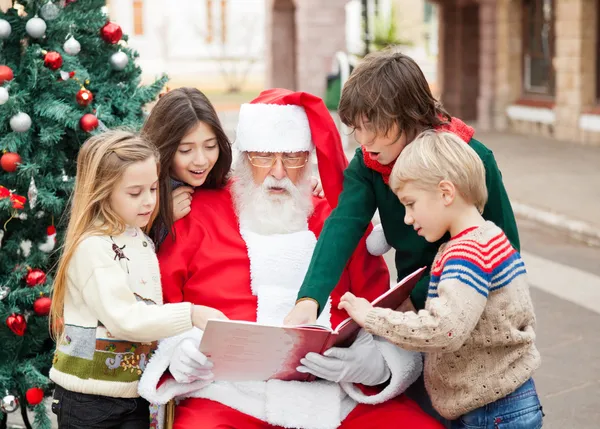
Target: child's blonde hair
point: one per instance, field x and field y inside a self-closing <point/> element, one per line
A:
<point x="436" y="156"/>
<point x="101" y="163"/>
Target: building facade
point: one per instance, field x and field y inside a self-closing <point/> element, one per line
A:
<point x="531" y="66"/>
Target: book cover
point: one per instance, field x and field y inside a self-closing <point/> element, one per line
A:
<point x="249" y="351"/>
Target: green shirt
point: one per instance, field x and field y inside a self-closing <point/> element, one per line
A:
<point x="364" y="192"/>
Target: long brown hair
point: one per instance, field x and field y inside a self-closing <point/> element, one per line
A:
<point x="176" y="114"/>
<point x="388" y="88"/>
<point x="101" y="163"/>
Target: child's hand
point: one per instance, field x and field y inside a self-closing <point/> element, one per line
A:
<point x="357" y="308"/>
<point x="201" y="314"/>
<point x="182" y="200"/>
<point x="317" y="187"/>
<point x="304" y="313"/>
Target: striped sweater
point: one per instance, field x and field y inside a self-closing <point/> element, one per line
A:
<point x="477" y="328"/>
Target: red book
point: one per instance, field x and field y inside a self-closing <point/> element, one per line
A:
<point x="249" y="351"/>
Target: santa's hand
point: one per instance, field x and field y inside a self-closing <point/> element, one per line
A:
<point x="361" y="363"/>
<point x="357" y="308"/>
<point x="189" y="364"/>
<point x="303" y="313"/>
<point x="317" y="187"/>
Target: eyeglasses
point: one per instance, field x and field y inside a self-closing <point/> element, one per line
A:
<point x="268" y="161"/>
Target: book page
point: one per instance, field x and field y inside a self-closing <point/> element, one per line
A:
<point x="246" y="351"/>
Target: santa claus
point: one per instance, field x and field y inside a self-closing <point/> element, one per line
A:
<point x="244" y="251"/>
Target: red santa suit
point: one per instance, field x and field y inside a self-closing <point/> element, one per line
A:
<point x="216" y="262"/>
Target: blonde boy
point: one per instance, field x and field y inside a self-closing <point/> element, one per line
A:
<point x="477" y="328"/>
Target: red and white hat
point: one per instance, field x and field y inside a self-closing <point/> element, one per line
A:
<point x="280" y="120"/>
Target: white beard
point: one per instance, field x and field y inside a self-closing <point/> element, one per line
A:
<point x="265" y="213"/>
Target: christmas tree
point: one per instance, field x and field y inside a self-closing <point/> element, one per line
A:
<point x="65" y="73"/>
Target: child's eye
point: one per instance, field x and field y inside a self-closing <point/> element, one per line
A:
<point x="136" y="195"/>
<point x="211" y="147"/>
<point x="185" y="150"/>
<point x="153" y="189"/>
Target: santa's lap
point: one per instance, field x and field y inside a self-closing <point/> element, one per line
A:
<point x="397" y="413"/>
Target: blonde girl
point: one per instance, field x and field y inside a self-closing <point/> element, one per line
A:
<point x="107" y="311"/>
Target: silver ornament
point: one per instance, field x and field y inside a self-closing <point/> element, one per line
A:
<point x="50" y="11"/>
<point x="36" y="27"/>
<point x="3" y="95"/>
<point x="5" y="29"/>
<point x="32" y="194"/>
<point x="4" y="291"/>
<point x="72" y="46"/>
<point x="20" y="123"/>
<point x="119" y="60"/>
<point x="9" y="404"/>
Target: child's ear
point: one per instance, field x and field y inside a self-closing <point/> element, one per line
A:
<point x="448" y="191"/>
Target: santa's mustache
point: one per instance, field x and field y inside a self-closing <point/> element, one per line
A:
<point x="273" y="183"/>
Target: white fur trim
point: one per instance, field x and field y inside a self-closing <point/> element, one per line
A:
<point x="376" y="242"/>
<point x="273" y="128"/>
<point x="405" y="367"/>
<point x="158" y="365"/>
<point x="278" y="264"/>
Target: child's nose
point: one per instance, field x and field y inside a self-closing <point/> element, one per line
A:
<point x="408" y="219"/>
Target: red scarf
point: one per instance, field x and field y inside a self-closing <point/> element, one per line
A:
<point x="455" y="126"/>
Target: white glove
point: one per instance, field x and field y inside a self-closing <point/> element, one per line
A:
<point x="189" y="364"/>
<point x="361" y="363"/>
<point x="376" y="243"/>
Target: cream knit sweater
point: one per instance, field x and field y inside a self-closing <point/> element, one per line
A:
<point x="113" y="316"/>
<point x="477" y="328"/>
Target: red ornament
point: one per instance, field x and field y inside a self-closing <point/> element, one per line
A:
<point x="34" y="396"/>
<point x="10" y="162"/>
<point x="68" y="2"/>
<point x="17" y="324"/>
<point x="6" y="74"/>
<point x="111" y="33"/>
<point x="35" y="277"/>
<point x="41" y="306"/>
<point x="18" y="202"/>
<point x="88" y="122"/>
<point x="53" y="60"/>
<point x="84" y="97"/>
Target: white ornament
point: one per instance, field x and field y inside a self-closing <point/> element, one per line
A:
<point x="5" y="29"/>
<point x="25" y="248"/>
<point x="50" y="11"/>
<point x="4" y="291"/>
<point x="1" y="237"/>
<point x="36" y="27"/>
<point x="20" y="123"/>
<point x="9" y="403"/>
<point x="32" y="194"/>
<point x="48" y="246"/>
<point x="72" y="46"/>
<point x="119" y="60"/>
<point x="3" y="95"/>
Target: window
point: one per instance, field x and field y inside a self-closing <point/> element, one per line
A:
<point x="138" y="17"/>
<point x="538" y="47"/>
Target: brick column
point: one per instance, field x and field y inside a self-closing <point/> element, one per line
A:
<point x="280" y="42"/>
<point x="459" y="43"/>
<point x="320" y="30"/>
<point x="487" y="63"/>
<point x="509" y="48"/>
<point x="575" y="64"/>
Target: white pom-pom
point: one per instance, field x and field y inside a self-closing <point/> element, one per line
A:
<point x="377" y="245"/>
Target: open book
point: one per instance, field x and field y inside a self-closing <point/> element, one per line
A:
<point x="249" y="351"/>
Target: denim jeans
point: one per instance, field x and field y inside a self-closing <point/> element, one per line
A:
<point x="519" y="410"/>
<point x="82" y="411"/>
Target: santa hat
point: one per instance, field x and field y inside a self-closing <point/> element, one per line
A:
<point x="279" y="120"/>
